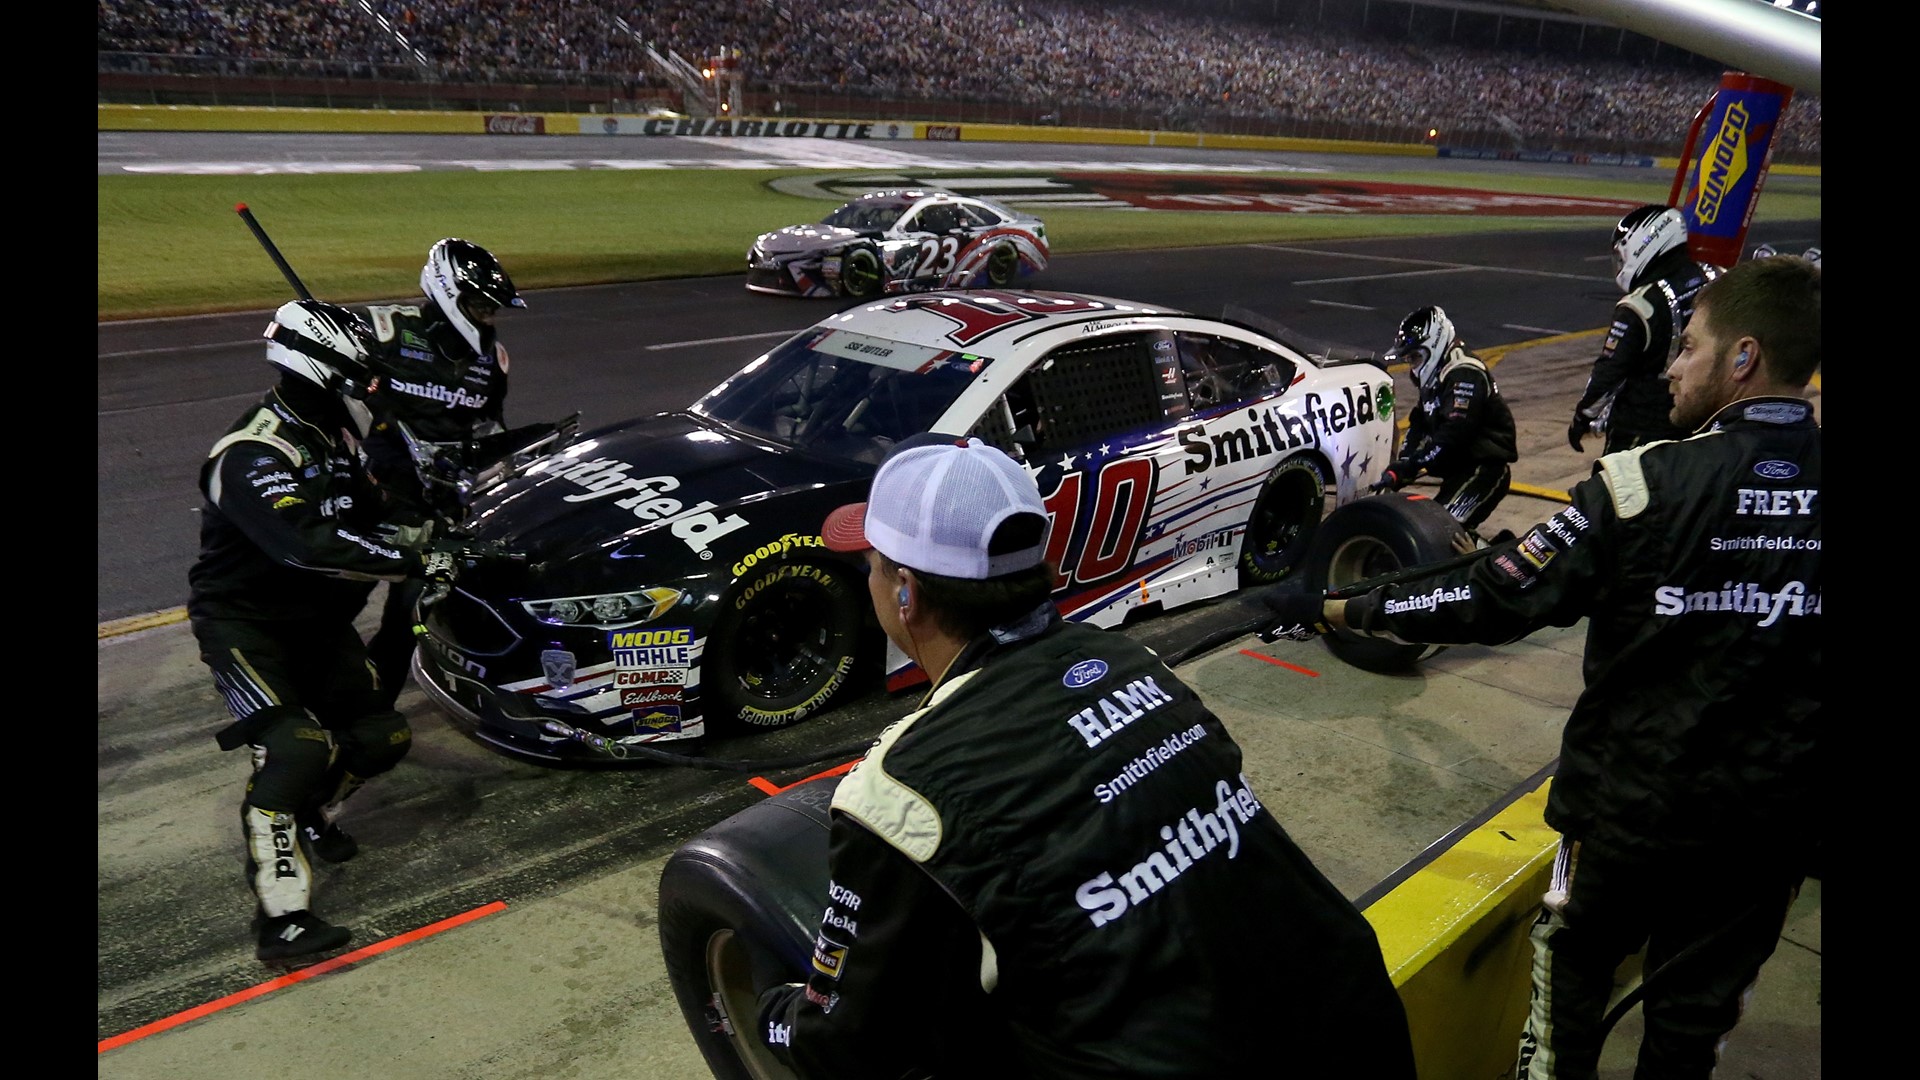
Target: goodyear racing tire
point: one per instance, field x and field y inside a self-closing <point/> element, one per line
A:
<point x="784" y="646"/>
<point x="1002" y="266"/>
<point x="861" y="275"/>
<point x="739" y="906"/>
<point x="1286" y="515"/>
<point x="1373" y="536"/>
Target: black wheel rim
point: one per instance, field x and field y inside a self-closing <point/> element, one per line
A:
<point x="1282" y="523"/>
<point x="860" y="274"/>
<point x="1000" y="267"/>
<point x="786" y="642"/>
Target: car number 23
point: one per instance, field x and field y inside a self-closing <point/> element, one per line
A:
<point x="936" y="256"/>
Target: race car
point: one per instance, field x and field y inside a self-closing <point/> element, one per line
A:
<point x="674" y="582"/>
<point x="900" y="241"/>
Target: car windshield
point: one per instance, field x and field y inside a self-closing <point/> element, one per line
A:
<point x="840" y="393"/>
<point x="861" y="214"/>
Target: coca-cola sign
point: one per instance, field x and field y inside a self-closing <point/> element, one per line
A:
<point x="947" y="132"/>
<point x="516" y="124"/>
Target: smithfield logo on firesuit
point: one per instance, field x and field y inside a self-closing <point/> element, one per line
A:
<point x="603" y="477"/>
<point x="1429" y="601"/>
<point x="1745" y="598"/>
<point x="455" y="397"/>
<point x="1192" y="837"/>
<point x="1272" y="429"/>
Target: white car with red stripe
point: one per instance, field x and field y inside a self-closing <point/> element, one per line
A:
<point x="676" y="577"/>
<point x="900" y="241"/>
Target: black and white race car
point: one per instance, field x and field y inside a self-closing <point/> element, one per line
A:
<point x="897" y="241"/>
<point x="675" y="578"/>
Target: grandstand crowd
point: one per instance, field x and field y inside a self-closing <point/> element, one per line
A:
<point x="1167" y="62"/>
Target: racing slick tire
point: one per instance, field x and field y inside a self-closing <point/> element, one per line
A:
<point x="739" y="907"/>
<point x="1377" y="535"/>
<point x="861" y="274"/>
<point x="784" y="647"/>
<point x="1286" y="515"/>
<point x="1003" y="266"/>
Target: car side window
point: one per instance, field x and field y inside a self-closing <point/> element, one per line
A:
<point x="1220" y="371"/>
<point x="978" y="217"/>
<point x="936" y="219"/>
<point x="1079" y="394"/>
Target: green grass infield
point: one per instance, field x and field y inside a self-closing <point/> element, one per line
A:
<point x="174" y="245"/>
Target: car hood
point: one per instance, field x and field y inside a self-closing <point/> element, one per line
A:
<point x="795" y="239"/>
<point x="668" y="486"/>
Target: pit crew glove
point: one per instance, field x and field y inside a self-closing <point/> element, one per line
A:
<point x="1299" y="612"/>
<point x="1389" y="481"/>
<point x="1578" y="430"/>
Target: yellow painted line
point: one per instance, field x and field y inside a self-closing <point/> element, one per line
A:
<point x="1541" y="493"/>
<point x="136" y="623"/>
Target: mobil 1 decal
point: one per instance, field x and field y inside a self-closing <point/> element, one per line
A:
<point x="1310" y="195"/>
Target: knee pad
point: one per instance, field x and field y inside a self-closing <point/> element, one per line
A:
<point x="291" y="754"/>
<point x="375" y="743"/>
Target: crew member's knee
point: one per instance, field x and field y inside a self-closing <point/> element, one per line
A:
<point x="290" y="758"/>
<point x="375" y="743"/>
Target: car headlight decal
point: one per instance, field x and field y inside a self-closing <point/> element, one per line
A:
<point x="606" y="611"/>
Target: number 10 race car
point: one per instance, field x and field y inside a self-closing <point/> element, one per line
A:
<point x="675" y="575"/>
<point x="900" y="241"/>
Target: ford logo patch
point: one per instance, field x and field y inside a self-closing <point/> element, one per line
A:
<point x="1084" y="672"/>
<point x="1777" y="470"/>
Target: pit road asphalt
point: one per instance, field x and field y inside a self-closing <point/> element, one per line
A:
<point x="566" y="980"/>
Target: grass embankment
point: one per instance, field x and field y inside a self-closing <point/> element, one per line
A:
<point x="173" y="245"/>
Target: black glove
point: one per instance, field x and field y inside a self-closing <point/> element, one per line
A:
<point x="1299" y="613"/>
<point x="1578" y="430"/>
<point x="1389" y="481"/>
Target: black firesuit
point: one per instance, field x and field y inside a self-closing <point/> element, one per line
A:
<point x="445" y="393"/>
<point x="290" y="544"/>
<point x="1057" y="869"/>
<point x="1685" y="790"/>
<point x="1461" y="431"/>
<point x="1628" y="386"/>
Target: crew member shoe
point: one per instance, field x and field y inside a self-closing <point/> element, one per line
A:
<point x="328" y="841"/>
<point x="297" y="935"/>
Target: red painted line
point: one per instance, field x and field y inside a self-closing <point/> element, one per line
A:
<point x="768" y="786"/>
<point x="1281" y="663"/>
<point x="302" y="975"/>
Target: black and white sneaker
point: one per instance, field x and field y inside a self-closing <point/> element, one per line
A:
<point x="328" y="841"/>
<point x="297" y="935"/>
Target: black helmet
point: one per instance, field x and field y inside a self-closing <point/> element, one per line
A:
<point x="1423" y="341"/>
<point x="468" y="284"/>
<point x="1642" y="236"/>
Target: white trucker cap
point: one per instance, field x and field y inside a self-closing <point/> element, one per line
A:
<point x="935" y="505"/>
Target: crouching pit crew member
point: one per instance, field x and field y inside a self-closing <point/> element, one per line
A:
<point x="1054" y="866"/>
<point x="1686" y="790"/>
<point x="291" y="544"/>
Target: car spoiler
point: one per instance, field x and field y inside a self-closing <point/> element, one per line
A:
<point x="1319" y="350"/>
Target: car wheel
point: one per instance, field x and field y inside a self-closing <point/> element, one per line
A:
<point x="739" y="907"/>
<point x="861" y="274"/>
<point x="784" y="646"/>
<point x="1002" y="266"/>
<point x="1280" y="531"/>
<point x="1378" y="535"/>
